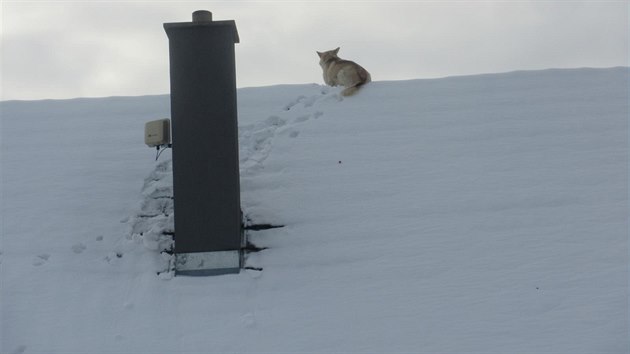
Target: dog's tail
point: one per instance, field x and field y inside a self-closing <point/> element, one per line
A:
<point x="349" y="91"/>
<point x="365" y="78"/>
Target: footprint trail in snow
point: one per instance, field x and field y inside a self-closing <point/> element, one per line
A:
<point x="256" y="140"/>
<point x="153" y="224"/>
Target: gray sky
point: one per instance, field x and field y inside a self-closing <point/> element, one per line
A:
<point x="65" y="49"/>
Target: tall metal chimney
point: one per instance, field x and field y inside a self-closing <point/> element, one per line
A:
<point x="208" y="235"/>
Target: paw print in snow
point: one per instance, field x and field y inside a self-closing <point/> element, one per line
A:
<point x="41" y="259"/>
<point x="78" y="248"/>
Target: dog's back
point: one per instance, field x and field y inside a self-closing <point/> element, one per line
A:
<point x="342" y="72"/>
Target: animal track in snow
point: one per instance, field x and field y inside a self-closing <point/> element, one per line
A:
<point x="256" y="140"/>
<point x="293" y="103"/>
<point x="308" y="102"/>
<point x="78" y="248"/>
<point x="301" y="119"/>
<point x="113" y="257"/>
<point x="275" y="121"/>
<point x="248" y="320"/>
<point x="19" y="350"/>
<point x="311" y="100"/>
<point x="256" y="145"/>
<point x="41" y="259"/>
<point x="152" y="224"/>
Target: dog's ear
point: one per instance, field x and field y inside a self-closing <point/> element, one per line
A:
<point x="320" y="54"/>
<point x="336" y="51"/>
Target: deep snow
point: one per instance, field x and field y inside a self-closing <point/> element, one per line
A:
<point x="468" y="214"/>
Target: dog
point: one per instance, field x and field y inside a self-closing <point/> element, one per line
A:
<point x="339" y="72"/>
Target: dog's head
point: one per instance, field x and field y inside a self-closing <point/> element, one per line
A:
<point x="327" y="56"/>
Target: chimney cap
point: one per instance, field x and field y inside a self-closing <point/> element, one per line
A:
<point x="202" y="16"/>
<point x="201" y="19"/>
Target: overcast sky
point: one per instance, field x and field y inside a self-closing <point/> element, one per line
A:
<point x="66" y="49"/>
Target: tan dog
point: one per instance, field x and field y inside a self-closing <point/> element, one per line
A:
<point x="342" y="72"/>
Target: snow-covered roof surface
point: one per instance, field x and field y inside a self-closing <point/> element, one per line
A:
<point x="468" y="214"/>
